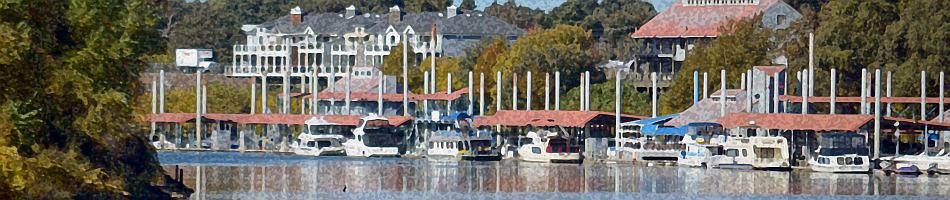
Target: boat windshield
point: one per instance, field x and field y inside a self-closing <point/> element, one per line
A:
<point x="833" y="144"/>
<point x="560" y="145"/>
<point x="481" y="146"/>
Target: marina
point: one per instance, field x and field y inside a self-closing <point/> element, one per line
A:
<point x="231" y="175"/>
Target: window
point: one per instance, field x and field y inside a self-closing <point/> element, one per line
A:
<point x="732" y="152"/>
<point x="780" y="19"/>
<point x="858" y="161"/>
<point x="765" y="153"/>
<point x="536" y="150"/>
<point x="840" y="161"/>
<point x="311" y="144"/>
<point x="322" y="144"/>
<point x="745" y="153"/>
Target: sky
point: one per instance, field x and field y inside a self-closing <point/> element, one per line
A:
<point x="547" y="5"/>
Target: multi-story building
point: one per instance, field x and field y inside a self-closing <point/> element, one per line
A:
<point x="333" y="42"/>
<point x="671" y="34"/>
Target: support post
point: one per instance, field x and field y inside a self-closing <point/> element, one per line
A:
<point x="498" y="95"/>
<point x="253" y="95"/>
<point x="481" y="94"/>
<point x="653" y="103"/>
<point x="425" y="91"/>
<point x="834" y="90"/>
<point x="557" y="90"/>
<point x="940" y="107"/>
<point x="923" y="95"/>
<point x="888" y="112"/>
<point x="405" y="75"/>
<point x="775" y="93"/>
<point x="722" y="93"/>
<point x="264" y="92"/>
<point x="514" y="91"/>
<point x="198" y="109"/>
<point x="547" y="91"/>
<point x="285" y="102"/>
<point x="618" y="105"/>
<point x="379" y="95"/>
<point x="349" y="78"/>
<point x="471" y="93"/>
<point x="705" y="85"/>
<point x="864" y="91"/>
<point x="695" y="87"/>
<point x="314" y="92"/>
<point x="581" y="92"/>
<point x="586" y="90"/>
<point x="527" y="94"/>
<point x="161" y="91"/>
<point x="204" y="99"/>
<point x="811" y="63"/>
<point x="877" y="114"/>
<point x="303" y="90"/>
<point x="805" y="92"/>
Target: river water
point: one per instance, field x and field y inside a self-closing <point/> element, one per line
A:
<point x="228" y="175"/>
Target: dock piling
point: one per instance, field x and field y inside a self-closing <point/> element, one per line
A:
<point x="481" y="94"/>
<point x="498" y="90"/>
<point x="805" y="95"/>
<point x="557" y="90"/>
<point x="528" y="95"/>
<point x="923" y="96"/>
<point x="722" y="93"/>
<point x="547" y="91"/>
<point x="653" y="99"/>
<point x="877" y="113"/>
<point x="834" y="90"/>
<point x="695" y="87"/>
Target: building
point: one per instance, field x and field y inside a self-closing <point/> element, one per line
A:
<point x="330" y="43"/>
<point x="670" y="35"/>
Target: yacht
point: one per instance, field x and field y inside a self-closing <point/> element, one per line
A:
<point x="460" y="141"/>
<point x="751" y="147"/>
<point x="702" y="142"/>
<point x="320" y="138"/>
<point x="840" y="152"/>
<point x="650" y="140"/>
<point x="549" y="145"/>
<point x="373" y="137"/>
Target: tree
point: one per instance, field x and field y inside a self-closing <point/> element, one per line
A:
<point x="603" y="96"/>
<point x="427" y="5"/>
<point x="573" y="12"/>
<point x="612" y="22"/>
<point x="520" y="16"/>
<point x="486" y="64"/>
<point x="392" y="65"/>
<point x="70" y="70"/>
<point x="742" y="45"/>
<point x="566" y="49"/>
<point x="443" y="67"/>
<point x="467" y="5"/>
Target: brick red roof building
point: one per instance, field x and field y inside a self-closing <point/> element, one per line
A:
<point x="670" y="35"/>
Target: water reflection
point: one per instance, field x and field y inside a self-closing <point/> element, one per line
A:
<point x="256" y="176"/>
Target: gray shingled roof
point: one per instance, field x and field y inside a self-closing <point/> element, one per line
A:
<point x="707" y="110"/>
<point x="469" y="23"/>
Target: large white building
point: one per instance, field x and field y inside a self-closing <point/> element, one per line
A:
<point x="331" y="43"/>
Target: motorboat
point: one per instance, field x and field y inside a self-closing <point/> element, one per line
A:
<point x="653" y="140"/>
<point x="926" y="162"/>
<point x="702" y="142"/>
<point x="841" y="152"/>
<point x="460" y="141"/>
<point x="549" y="145"/>
<point x="373" y="137"/>
<point x="751" y="147"/>
<point x="320" y="138"/>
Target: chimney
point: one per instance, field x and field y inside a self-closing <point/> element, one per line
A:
<point x="395" y="15"/>
<point x="350" y="12"/>
<point x="451" y="11"/>
<point x="296" y="16"/>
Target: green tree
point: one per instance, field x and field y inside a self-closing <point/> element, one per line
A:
<point x="520" y="16"/>
<point x="563" y="48"/>
<point x="467" y="5"/>
<point x="603" y="96"/>
<point x="742" y="45"/>
<point x="70" y="70"/>
<point x="427" y="5"/>
<point x="392" y="65"/>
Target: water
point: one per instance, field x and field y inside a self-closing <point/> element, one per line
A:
<point x="275" y="176"/>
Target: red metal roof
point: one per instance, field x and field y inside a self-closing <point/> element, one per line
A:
<point x="696" y="20"/>
<point x="346" y="120"/>
<point x="390" y="97"/>
<point x="562" y="118"/>
<point x="770" y="70"/>
<point x="171" y="117"/>
<point x="816" y="99"/>
<point x="809" y="122"/>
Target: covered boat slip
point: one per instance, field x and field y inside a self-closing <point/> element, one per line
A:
<point x="592" y="129"/>
<point x="805" y="131"/>
<point x="244" y="132"/>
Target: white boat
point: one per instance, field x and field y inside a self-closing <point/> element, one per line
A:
<point x="445" y="145"/>
<point x="373" y="137"/>
<point x="654" y="141"/>
<point x="702" y="143"/>
<point x="931" y="164"/>
<point x="549" y="146"/>
<point x="752" y="148"/>
<point x="841" y="153"/>
<point x="320" y="138"/>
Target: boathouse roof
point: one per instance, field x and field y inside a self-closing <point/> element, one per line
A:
<point x="563" y="118"/>
<point x="390" y="97"/>
<point x="294" y="119"/>
<point x="822" y="122"/>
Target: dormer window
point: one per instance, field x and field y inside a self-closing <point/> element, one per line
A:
<point x="780" y="19"/>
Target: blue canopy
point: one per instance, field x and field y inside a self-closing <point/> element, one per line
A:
<point x="655" y="130"/>
<point x="456" y="116"/>
<point x="655" y="120"/>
